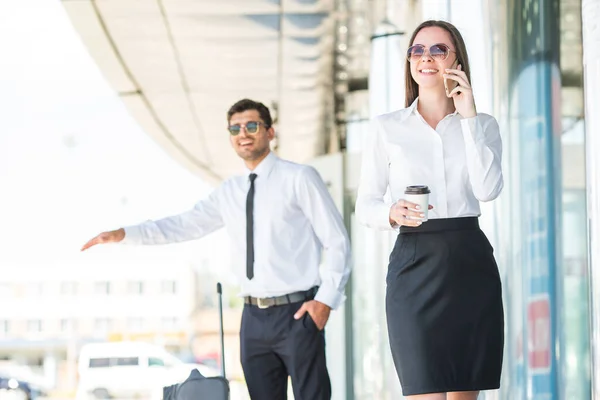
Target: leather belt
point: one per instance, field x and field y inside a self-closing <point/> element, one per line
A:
<point x="266" y="302"/>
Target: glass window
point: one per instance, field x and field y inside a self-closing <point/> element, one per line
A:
<point x="34" y="326"/>
<point x="105" y="362"/>
<point x="168" y="287"/>
<point x="34" y="289"/>
<point x="68" y="288"/>
<point x="169" y="323"/>
<point x="99" y="362"/>
<point x="5" y="290"/>
<point x="4" y="327"/>
<point x="374" y="373"/>
<point x="102" y="325"/>
<point x="135" y="324"/>
<point x="67" y="325"/>
<point x="136" y="288"/>
<point x="574" y="331"/>
<point x="155" y="362"/>
<point x="102" y="288"/>
<point x="543" y="251"/>
<point x="127" y="361"/>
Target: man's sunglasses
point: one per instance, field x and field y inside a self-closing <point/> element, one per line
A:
<point x="438" y="52"/>
<point x="251" y="127"/>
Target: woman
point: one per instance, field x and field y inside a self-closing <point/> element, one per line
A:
<point x="443" y="301"/>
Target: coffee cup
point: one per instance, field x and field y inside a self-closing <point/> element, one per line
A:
<point x="418" y="194"/>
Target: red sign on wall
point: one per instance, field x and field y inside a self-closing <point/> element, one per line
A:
<point x="539" y="334"/>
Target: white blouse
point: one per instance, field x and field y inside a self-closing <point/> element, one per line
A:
<point x="460" y="161"/>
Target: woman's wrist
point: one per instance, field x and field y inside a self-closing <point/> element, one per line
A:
<point x="470" y="114"/>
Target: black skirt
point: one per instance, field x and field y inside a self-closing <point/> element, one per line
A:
<point x="444" y="308"/>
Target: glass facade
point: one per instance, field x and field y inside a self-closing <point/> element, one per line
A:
<point x="544" y="245"/>
<point x="538" y="226"/>
<point x="533" y="143"/>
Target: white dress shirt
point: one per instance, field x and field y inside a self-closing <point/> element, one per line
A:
<point x="294" y="219"/>
<point x="460" y="161"/>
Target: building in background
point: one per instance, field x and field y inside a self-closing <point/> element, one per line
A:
<point x="55" y="309"/>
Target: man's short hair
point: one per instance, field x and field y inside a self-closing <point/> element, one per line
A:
<point x="247" y="104"/>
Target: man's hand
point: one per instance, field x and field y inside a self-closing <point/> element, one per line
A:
<point x="105" y="237"/>
<point x="318" y="311"/>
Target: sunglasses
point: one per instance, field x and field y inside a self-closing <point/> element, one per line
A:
<point x="250" y="127"/>
<point x="438" y="52"/>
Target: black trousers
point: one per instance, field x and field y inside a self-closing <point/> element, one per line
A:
<point x="274" y="346"/>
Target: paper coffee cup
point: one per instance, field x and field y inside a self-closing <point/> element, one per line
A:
<point x="418" y="195"/>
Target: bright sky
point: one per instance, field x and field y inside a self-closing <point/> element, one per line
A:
<point x="72" y="161"/>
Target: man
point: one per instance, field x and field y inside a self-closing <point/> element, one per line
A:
<point x="279" y="216"/>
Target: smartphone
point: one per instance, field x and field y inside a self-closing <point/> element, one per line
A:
<point x="450" y="84"/>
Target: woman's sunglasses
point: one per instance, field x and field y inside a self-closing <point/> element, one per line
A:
<point x="251" y="127"/>
<point x="438" y="52"/>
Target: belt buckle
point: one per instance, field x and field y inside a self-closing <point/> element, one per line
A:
<point x="262" y="303"/>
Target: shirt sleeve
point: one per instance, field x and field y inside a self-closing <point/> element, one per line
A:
<point x="483" y="146"/>
<point x="201" y="220"/>
<point x="318" y="206"/>
<point x="371" y="208"/>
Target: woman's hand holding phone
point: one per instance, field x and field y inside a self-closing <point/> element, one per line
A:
<point x="459" y="89"/>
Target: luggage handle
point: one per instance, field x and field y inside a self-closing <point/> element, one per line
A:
<point x="221" y="332"/>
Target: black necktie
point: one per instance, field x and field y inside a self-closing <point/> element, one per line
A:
<point x="250" y="229"/>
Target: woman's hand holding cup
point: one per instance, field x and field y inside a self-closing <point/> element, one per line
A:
<point x="412" y="210"/>
<point x="401" y="213"/>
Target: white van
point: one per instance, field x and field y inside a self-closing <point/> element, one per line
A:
<point x="130" y="370"/>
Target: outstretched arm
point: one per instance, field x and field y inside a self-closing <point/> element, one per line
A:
<point x="201" y="220"/>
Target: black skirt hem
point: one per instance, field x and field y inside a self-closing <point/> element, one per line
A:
<point x="410" y="391"/>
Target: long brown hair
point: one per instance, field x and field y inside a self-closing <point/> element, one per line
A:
<point x="412" y="88"/>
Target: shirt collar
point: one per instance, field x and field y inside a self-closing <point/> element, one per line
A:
<point x="412" y="109"/>
<point x="265" y="167"/>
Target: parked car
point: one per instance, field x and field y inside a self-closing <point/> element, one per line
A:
<point x="130" y="370"/>
<point x="18" y="389"/>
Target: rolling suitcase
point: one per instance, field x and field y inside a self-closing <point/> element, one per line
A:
<point x="197" y="386"/>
